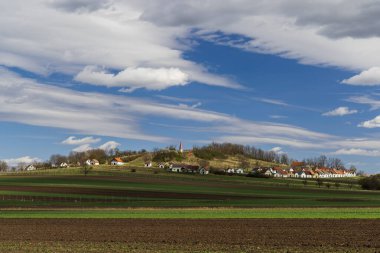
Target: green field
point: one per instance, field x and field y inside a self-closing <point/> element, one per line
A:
<point x="109" y="187"/>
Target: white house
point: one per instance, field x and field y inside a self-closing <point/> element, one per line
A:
<point x="161" y="165"/>
<point x="176" y="168"/>
<point x="230" y="171"/>
<point x="148" y="164"/>
<point x="239" y="171"/>
<point x="117" y="162"/>
<point x="269" y="173"/>
<point x="92" y="162"/>
<point x="30" y="167"/>
<point x="203" y="171"/>
<point x="63" y="165"/>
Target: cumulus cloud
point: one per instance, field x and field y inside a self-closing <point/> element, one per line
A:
<point x="72" y="140"/>
<point x="134" y="78"/>
<point x="373" y="123"/>
<point x="340" y="111"/>
<point x="370" y="77"/>
<point x="24" y="160"/>
<point x="357" y="151"/>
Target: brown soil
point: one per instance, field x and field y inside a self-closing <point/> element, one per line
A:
<point x="228" y="235"/>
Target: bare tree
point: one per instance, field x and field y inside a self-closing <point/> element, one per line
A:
<point x="3" y="166"/>
<point x="86" y="169"/>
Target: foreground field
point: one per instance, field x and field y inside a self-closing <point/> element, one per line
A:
<point x="183" y="235"/>
<point x="200" y="213"/>
<point x="120" y="188"/>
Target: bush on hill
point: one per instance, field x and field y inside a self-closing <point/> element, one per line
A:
<point x="371" y="182"/>
<point x="167" y="156"/>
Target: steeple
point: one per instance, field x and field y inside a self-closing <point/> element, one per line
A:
<point x="180" y="147"/>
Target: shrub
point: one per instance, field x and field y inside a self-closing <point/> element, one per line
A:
<point x="371" y="182"/>
<point x="257" y="174"/>
<point x="167" y="156"/>
<point x="133" y="170"/>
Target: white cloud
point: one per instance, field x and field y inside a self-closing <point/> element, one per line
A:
<point x="272" y="101"/>
<point x="340" y="111"/>
<point x="277" y="117"/>
<point x="370" y="77"/>
<point x="83" y="148"/>
<point x="357" y="151"/>
<point x="373" y="103"/>
<point x="72" y="140"/>
<point x="122" y="35"/>
<point x="29" y="102"/>
<point x="98" y="33"/>
<point x="109" y="145"/>
<point x="277" y="150"/>
<point x="135" y="78"/>
<point x="24" y="159"/>
<point x="373" y="123"/>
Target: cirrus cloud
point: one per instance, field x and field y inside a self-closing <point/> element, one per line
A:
<point x="72" y="140"/>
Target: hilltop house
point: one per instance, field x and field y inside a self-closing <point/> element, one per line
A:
<point x="186" y="168"/>
<point x="203" y="171"/>
<point x="117" y="162"/>
<point x="63" y="165"/>
<point x="92" y="162"/>
<point x="30" y="167"/>
<point x="148" y="164"/>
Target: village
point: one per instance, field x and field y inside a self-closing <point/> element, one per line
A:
<point x="295" y="169"/>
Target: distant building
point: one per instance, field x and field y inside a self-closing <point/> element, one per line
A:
<point x="30" y="167"/>
<point x="63" y="165"/>
<point x="117" y="162"/>
<point x="92" y="162"/>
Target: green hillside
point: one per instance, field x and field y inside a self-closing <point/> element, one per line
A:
<point x="108" y="186"/>
<point x="232" y="161"/>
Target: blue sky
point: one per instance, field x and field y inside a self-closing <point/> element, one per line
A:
<point x="128" y="74"/>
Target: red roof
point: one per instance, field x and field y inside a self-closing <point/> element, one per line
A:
<point x="118" y="159"/>
<point x="297" y="164"/>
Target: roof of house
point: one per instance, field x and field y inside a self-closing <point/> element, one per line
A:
<point x="118" y="159"/>
<point x="297" y="164"/>
<point x="282" y="172"/>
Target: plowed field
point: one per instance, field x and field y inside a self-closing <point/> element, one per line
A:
<point x="181" y="235"/>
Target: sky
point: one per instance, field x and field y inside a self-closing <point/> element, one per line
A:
<point x="293" y="76"/>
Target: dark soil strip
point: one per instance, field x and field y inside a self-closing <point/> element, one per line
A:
<point x="284" y="233"/>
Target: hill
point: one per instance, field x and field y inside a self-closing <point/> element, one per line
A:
<point x="188" y="157"/>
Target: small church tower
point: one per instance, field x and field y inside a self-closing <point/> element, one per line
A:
<point x="180" y="147"/>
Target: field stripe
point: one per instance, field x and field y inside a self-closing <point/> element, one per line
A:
<point x="207" y="213"/>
